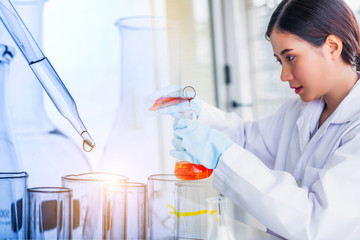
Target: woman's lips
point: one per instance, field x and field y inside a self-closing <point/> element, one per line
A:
<point x="298" y="89"/>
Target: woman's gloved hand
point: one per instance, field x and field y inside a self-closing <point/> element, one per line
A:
<point x="174" y="110"/>
<point x="198" y="144"/>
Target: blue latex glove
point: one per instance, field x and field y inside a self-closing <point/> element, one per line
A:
<point x="177" y="109"/>
<point x="199" y="144"/>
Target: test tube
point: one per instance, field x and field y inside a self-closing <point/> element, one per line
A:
<point x="43" y="70"/>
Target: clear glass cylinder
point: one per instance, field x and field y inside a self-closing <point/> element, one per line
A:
<point x="125" y="208"/>
<point x="13" y="203"/>
<point x="87" y="206"/>
<point x="49" y="213"/>
<point x="161" y="206"/>
<point x="46" y="153"/>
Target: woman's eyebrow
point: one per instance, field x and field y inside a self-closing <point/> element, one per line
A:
<point x="285" y="51"/>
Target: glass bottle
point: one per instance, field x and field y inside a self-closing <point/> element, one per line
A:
<point x="189" y="171"/>
<point x="13" y="183"/>
<point x="183" y="170"/>
<point x="10" y="161"/>
<point x="47" y="153"/>
<point x="133" y="146"/>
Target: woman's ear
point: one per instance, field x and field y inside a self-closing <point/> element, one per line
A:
<point x="334" y="45"/>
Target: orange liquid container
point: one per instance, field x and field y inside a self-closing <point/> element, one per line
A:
<point x="188" y="93"/>
<point x="168" y="101"/>
<point x="189" y="171"/>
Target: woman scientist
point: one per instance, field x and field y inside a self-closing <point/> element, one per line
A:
<point x="298" y="170"/>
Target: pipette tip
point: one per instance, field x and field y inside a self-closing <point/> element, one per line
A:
<point x="88" y="143"/>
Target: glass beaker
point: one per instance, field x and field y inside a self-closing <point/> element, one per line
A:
<point x="189" y="171"/>
<point x="46" y="153"/>
<point x="125" y="209"/>
<point x="49" y="213"/>
<point x="161" y="206"/>
<point x="13" y="202"/>
<point x="192" y="208"/>
<point x="144" y="67"/>
<point x="87" y="206"/>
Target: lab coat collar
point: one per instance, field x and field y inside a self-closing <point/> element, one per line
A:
<point x="349" y="108"/>
<point x="345" y="112"/>
<point x="307" y="122"/>
<point x="311" y="111"/>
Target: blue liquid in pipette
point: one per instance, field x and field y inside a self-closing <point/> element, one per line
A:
<point x="43" y="70"/>
<point x="61" y="98"/>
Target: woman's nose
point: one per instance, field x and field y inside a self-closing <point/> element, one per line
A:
<point x="286" y="74"/>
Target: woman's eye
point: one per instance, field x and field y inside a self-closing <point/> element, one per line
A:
<point x="279" y="61"/>
<point x="290" y="58"/>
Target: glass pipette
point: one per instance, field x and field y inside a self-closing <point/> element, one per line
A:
<point x="43" y="70"/>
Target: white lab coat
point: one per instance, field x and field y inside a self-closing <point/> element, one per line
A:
<point x="299" y="181"/>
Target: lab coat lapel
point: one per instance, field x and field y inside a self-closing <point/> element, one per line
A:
<point x="306" y="124"/>
<point x="347" y="110"/>
<point x="307" y="121"/>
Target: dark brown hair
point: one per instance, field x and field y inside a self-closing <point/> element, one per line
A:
<point x="314" y="20"/>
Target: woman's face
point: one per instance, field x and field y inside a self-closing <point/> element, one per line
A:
<point x="304" y="66"/>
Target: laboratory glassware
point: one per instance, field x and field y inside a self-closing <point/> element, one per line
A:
<point x="87" y="206"/>
<point x="125" y="210"/>
<point x="163" y="99"/>
<point x="219" y="220"/>
<point x="192" y="208"/>
<point x="43" y="70"/>
<point x="161" y="206"/>
<point x="10" y="160"/>
<point x="185" y="94"/>
<point x="49" y="212"/>
<point x="13" y="204"/>
<point x="136" y="136"/>
<point x="24" y="117"/>
<point x="186" y="170"/>
<point x="183" y="169"/>
<point x="38" y="140"/>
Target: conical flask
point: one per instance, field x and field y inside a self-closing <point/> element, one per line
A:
<point x="134" y="144"/>
<point x="10" y="161"/>
<point x="47" y="153"/>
